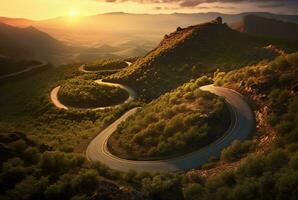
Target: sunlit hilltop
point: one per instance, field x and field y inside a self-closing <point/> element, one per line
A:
<point x="149" y="100"/>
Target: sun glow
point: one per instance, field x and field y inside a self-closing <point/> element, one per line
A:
<point x="72" y="12"/>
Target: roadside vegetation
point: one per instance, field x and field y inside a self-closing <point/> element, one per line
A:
<point x="192" y="52"/>
<point x="42" y="147"/>
<point x="178" y="122"/>
<point x="105" y="65"/>
<point x="80" y="93"/>
<point x="32" y="171"/>
<point x="9" y="66"/>
<point x="269" y="175"/>
<point x="26" y="107"/>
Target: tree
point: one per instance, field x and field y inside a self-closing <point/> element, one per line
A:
<point x="163" y="186"/>
<point x="85" y="182"/>
<point x="29" y="188"/>
<point x="193" y="191"/>
<point x="276" y="160"/>
<point x="287" y="186"/>
<point x="294" y="162"/>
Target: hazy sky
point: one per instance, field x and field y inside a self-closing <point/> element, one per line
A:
<point x="43" y="9"/>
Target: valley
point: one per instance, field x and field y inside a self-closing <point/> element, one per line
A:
<point x="209" y="112"/>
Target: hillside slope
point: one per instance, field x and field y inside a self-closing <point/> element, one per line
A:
<point x="9" y="65"/>
<point x="190" y="52"/>
<point x="261" y="26"/>
<point x="118" y="27"/>
<point x="28" y="42"/>
<point x="176" y="123"/>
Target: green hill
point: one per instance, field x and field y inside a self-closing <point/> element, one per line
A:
<point x="80" y="93"/>
<point x="190" y="52"/>
<point x="178" y="122"/>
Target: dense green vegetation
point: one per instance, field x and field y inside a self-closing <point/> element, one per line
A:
<point x="31" y="171"/>
<point x="81" y="93"/>
<point x="262" y="176"/>
<point x="105" y="65"/>
<point x="191" y="52"/>
<point x="25" y="107"/>
<point x="37" y="162"/>
<point x="272" y="177"/>
<point x="38" y="141"/>
<point x="9" y="66"/>
<point x="178" y="122"/>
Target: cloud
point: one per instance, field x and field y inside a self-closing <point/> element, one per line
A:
<point x="196" y="3"/>
<point x="224" y="7"/>
<point x="273" y="5"/>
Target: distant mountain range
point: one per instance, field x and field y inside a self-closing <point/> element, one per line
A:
<point x="28" y="43"/>
<point x="262" y="26"/>
<point x="111" y="35"/>
<point x="31" y="43"/>
<point x="116" y="28"/>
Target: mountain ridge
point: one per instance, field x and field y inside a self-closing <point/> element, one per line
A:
<point x="28" y="42"/>
<point x="190" y="52"/>
<point x="267" y="27"/>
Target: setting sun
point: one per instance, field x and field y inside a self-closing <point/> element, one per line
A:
<point x="73" y="12"/>
<point x="149" y="99"/>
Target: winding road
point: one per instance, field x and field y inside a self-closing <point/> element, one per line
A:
<point x="42" y="64"/>
<point x="82" y="68"/>
<point x="55" y="100"/>
<point x="242" y="126"/>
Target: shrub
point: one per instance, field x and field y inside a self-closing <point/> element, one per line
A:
<point x="19" y="146"/>
<point x="31" y="155"/>
<point x="56" y="163"/>
<point x="88" y="94"/>
<point x="176" y="123"/>
<point x="246" y="191"/>
<point x="276" y="160"/>
<point x="293" y="163"/>
<point x="85" y="182"/>
<point x="164" y="186"/>
<point x="193" y="191"/>
<point x="284" y="127"/>
<point x="254" y="167"/>
<point x="236" y="150"/>
<point x="287" y="186"/>
<point x="29" y="188"/>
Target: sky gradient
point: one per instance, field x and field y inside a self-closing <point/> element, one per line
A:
<point x="44" y="9"/>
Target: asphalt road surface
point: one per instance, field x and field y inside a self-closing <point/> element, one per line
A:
<point x="55" y="100"/>
<point x="241" y="127"/>
<point x="24" y="71"/>
<point x="82" y="68"/>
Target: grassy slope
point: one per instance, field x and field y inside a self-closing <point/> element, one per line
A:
<point x="270" y="174"/>
<point x="25" y="107"/>
<point x="9" y="66"/>
<point x="39" y="162"/>
<point x="178" y="122"/>
<point x="105" y="65"/>
<point x="80" y="93"/>
<point x="191" y="52"/>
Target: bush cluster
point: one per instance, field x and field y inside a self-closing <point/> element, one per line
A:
<point x="88" y="94"/>
<point x="105" y="65"/>
<point x="177" y="122"/>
